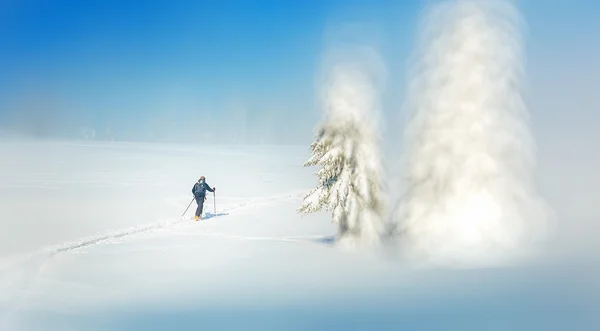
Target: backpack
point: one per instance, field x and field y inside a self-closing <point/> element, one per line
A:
<point x="199" y="189"/>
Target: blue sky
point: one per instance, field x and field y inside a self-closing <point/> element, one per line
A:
<point x="157" y="70"/>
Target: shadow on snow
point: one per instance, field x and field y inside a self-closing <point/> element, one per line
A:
<point x="211" y="215"/>
<point x="328" y="240"/>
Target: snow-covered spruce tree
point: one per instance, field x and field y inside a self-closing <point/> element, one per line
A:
<point x="470" y="155"/>
<point x="347" y="148"/>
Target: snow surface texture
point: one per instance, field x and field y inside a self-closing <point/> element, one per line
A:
<point x="470" y="158"/>
<point x="347" y="150"/>
<point x="91" y="239"/>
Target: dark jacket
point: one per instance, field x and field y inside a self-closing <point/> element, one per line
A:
<point x="200" y="188"/>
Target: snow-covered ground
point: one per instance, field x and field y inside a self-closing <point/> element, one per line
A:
<point x="91" y="238"/>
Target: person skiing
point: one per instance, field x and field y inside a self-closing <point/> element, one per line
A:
<point x="199" y="192"/>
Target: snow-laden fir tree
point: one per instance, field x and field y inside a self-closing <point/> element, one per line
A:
<point x="470" y="154"/>
<point x="347" y="150"/>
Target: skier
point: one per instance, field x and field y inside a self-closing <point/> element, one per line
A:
<point x="199" y="191"/>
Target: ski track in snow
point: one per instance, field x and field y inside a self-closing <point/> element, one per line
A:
<point x="45" y="255"/>
<point x="233" y="237"/>
<point x="9" y="262"/>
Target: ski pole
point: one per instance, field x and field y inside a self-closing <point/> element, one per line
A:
<point x="188" y="207"/>
<point x="215" y="202"/>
